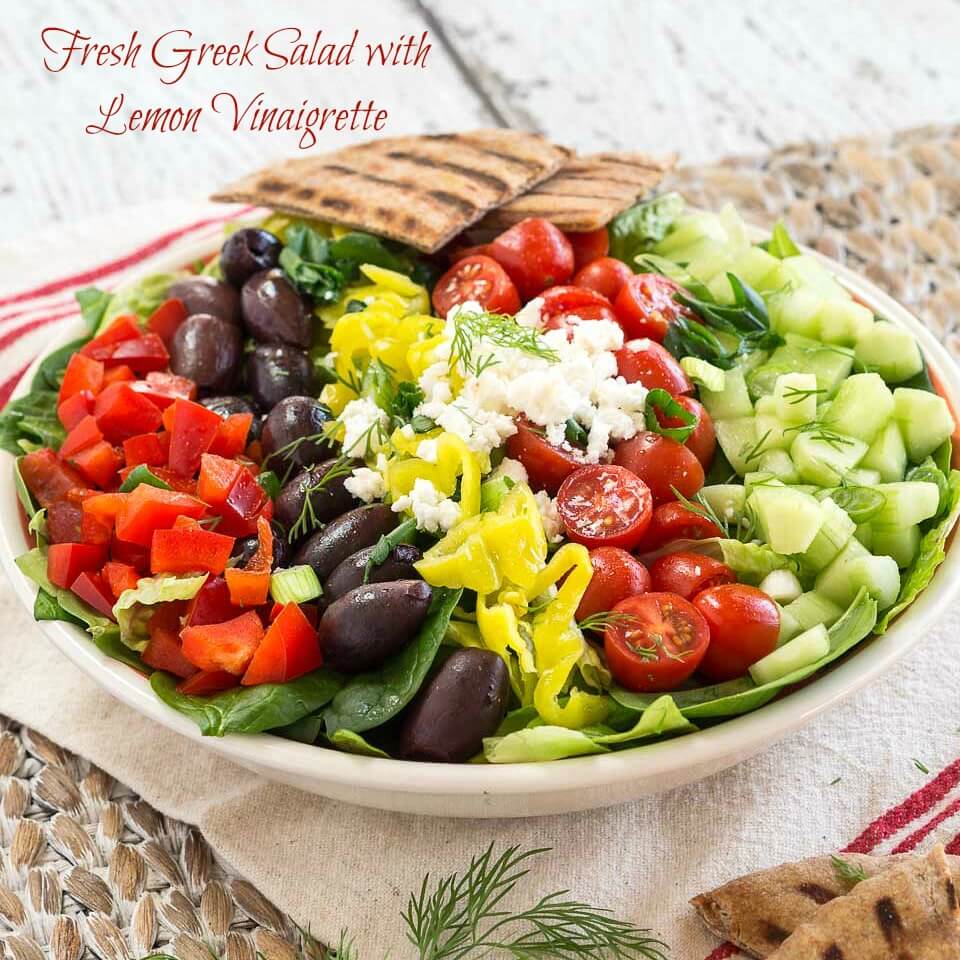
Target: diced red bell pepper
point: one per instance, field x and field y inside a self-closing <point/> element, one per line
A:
<point x="100" y="516"/>
<point x="207" y="682"/>
<point x="118" y="374"/>
<point x="175" y="481"/>
<point x="85" y="434"/>
<point x="223" y="646"/>
<point x="66" y="561"/>
<point x="149" y="508"/>
<point x="163" y="388"/>
<point x="47" y="478"/>
<point x="64" y="522"/>
<point x="93" y="589"/>
<point x="289" y="649"/>
<point x="244" y="504"/>
<point x="122" y="413"/>
<point x="120" y="577"/>
<point x="166" y="319"/>
<point x="211" y="604"/>
<point x="191" y="434"/>
<point x="131" y="554"/>
<point x="164" y="437"/>
<point x="72" y="411"/>
<point x="82" y="373"/>
<point x="249" y="586"/>
<point x="142" y="355"/>
<point x="101" y="347"/>
<point x="217" y="476"/>
<point x="309" y="610"/>
<point x="231" y="438"/>
<point x="143" y="448"/>
<point x="99" y="463"/>
<point x="162" y="651"/>
<point x="185" y="549"/>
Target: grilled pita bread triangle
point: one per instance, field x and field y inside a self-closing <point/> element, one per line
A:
<point x="758" y="912"/>
<point x="422" y="191"/>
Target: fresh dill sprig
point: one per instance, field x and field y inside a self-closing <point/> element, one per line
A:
<point x="501" y="330"/>
<point x="757" y="449"/>
<point x="820" y="432"/>
<point x="847" y="871"/>
<point x="599" y="621"/>
<point x="699" y="505"/>
<point x="920" y="765"/>
<point x="464" y="916"/>
<point x="795" y="395"/>
<point x="307" y="521"/>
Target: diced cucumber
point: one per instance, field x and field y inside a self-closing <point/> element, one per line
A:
<point x="831" y="366"/>
<point x="751" y="360"/>
<point x="824" y="458"/>
<point x="771" y="427"/>
<point x="709" y="260"/>
<point x="810" y="488"/>
<point x="887" y="454"/>
<point x="924" y="420"/>
<point x="737" y="439"/>
<point x="844" y="322"/>
<point x="854" y="568"/>
<point x="901" y="543"/>
<point x="801" y="651"/>
<point x="807" y="272"/>
<point x="862" y="407"/>
<point x="779" y="464"/>
<point x="835" y="532"/>
<point x="789" y="627"/>
<point x="796" y="311"/>
<point x="862" y="477"/>
<point x="754" y="267"/>
<point x="812" y="608"/>
<point x="781" y="585"/>
<point x="726" y="500"/>
<point x="789" y="520"/>
<point x="760" y="478"/>
<point x="906" y="503"/>
<point x="688" y="231"/>
<point x="892" y="352"/>
<point x="731" y="401"/>
<point x="796" y="397"/>
<point x="704" y="373"/>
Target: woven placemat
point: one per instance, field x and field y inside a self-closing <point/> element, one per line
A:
<point x="90" y="870"/>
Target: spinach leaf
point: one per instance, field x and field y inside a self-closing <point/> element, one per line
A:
<point x="307" y="730"/>
<point x="250" y="709"/>
<point x="350" y="742"/>
<point x="31" y="422"/>
<point x="352" y="249"/>
<point x="93" y="305"/>
<point x="370" y="699"/>
<point x="108" y="642"/>
<point x="49" y="374"/>
<point x="47" y="607"/>
<point x="638" y="229"/>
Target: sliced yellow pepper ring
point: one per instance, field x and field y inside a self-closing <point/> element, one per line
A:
<point x="454" y="460"/>
<point x="500" y="632"/>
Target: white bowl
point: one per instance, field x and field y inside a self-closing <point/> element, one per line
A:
<point x="517" y="790"/>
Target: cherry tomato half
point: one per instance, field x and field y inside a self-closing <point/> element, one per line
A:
<point x="605" y="505"/>
<point x="656" y="644"/>
<point x="563" y="306"/>
<point x="606" y="275"/>
<point x="653" y="366"/>
<point x="645" y="306"/>
<point x="673" y="521"/>
<point x="616" y="576"/>
<point x="535" y="254"/>
<point x="547" y="466"/>
<point x="477" y="278"/>
<point x="744" y="625"/>
<point x="661" y="463"/>
<point x="588" y="246"/>
<point x="688" y="573"/>
<point x="702" y="443"/>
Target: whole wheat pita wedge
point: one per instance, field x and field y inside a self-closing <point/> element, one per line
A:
<point x="908" y="912"/>
<point x="585" y="194"/>
<point x="759" y="911"/>
<point x="420" y="190"/>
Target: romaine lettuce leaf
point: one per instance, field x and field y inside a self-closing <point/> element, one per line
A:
<point x="141" y="297"/>
<point x="350" y="742"/>
<point x="132" y="608"/>
<point x="638" y="229"/>
<point x="751" y="562"/>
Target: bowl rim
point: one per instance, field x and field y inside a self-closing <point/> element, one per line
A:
<point x="709" y="749"/>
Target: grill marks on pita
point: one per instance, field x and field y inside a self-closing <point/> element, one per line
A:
<point x="420" y="190"/>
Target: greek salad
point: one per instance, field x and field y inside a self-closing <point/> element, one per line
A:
<point x="555" y="495"/>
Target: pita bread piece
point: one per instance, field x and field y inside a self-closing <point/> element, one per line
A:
<point x="586" y="193"/>
<point x="420" y="190"/>
<point x="908" y="912"/>
<point x="759" y="911"/>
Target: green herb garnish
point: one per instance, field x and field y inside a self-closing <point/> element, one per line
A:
<point x="659" y="401"/>
<point x="847" y="871"/>
<point x="499" y="329"/>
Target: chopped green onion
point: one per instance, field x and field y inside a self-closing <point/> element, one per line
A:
<point x="295" y="585"/>
<point x="142" y="474"/>
<point x="704" y="373"/>
<point x="659" y="399"/>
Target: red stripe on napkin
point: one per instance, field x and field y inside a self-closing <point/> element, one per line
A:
<point x="6" y="388"/>
<point x="905" y="846"/>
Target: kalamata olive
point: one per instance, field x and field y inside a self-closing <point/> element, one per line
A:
<point x="289" y="423"/>
<point x="248" y="251"/>
<point x="327" y="503"/>
<point x="365" y="626"/>
<point x="348" y="575"/>
<point x="206" y="349"/>
<point x="208" y="295"/>
<point x="245" y="547"/>
<point x="276" y="371"/>
<point x="273" y="311"/>
<point x="464" y="702"/>
<point x="226" y="406"/>
<point x="359" y="528"/>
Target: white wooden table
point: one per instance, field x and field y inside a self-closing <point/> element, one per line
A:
<point x="700" y="77"/>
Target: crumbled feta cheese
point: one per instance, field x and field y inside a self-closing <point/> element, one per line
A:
<point x="529" y="314"/>
<point x="432" y="511"/>
<point x="552" y="524"/>
<point x="364" y="426"/>
<point x="407" y="432"/>
<point x="427" y="450"/>
<point x="511" y="469"/>
<point x="366" y="484"/>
